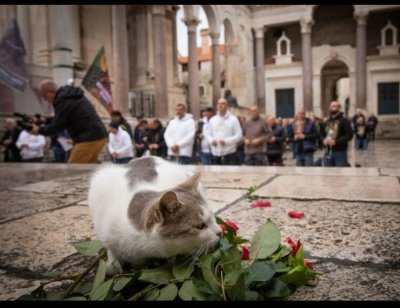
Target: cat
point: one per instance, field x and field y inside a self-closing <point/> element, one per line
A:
<point x="150" y="208"/>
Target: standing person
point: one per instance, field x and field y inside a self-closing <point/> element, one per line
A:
<point x="156" y="141"/>
<point x="141" y="138"/>
<point x="204" y="146"/>
<point x="304" y="136"/>
<point x="116" y="116"/>
<point x="275" y="143"/>
<point x="179" y="136"/>
<point x="223" y="134"/>
<point x="119" y="144"/>
<point x="360" y="130"/>
<point x="31" y="145"/>
<point x="75" y="113"/>
<point x="9" y="141"/>
<point x="61" y="145"/>
<point x="338" y="133"/>
<point x="256" y="133"/>
<point x="371" y="126"/>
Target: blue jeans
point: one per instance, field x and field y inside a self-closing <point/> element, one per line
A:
<point x="255" y="159"/>
<point x="121" y="161"/>
<point x="360" y="144"/>
<point x="305" y="159"/>
<point x="59" y="154"/>
<point x="205" y="158"/>
<point x="336" y="159"/>
<point x="182" y="160"/>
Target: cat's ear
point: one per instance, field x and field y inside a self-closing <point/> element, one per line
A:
<point x="169" y="203"/>
<point x="192" y="182"/>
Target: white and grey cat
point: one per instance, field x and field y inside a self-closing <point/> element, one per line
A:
<point x="150" y="208"/>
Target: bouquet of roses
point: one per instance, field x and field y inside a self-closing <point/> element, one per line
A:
<point x="269" y="268"/>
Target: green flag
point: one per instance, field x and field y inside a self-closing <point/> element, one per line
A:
<point x="97" y="80"/>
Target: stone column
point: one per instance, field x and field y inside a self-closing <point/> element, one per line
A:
<point x="150" y="51"/>
<point x="194" y="95"/>
<point x="61" y="39"/>
<point x="260" y="74"/>
<point x="175" y="9"/>
<point x="141" y="48"/>
<point x="361" y="65"/>
<point x="120" y="59"/>
<point x="307" y="63"/>
<point x="160" y="61"/>
<point x="24" y="24"/>
<point x="76" y="35"/>
<point x="216" y="69"/>
<point x="40" y="44"/>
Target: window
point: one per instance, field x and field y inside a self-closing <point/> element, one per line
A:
<point x="185" y="67"/>
<point x="202" y="91"/>
<point x="388" y="98"/>
<point x="284" y="100"/>
<point x="389" y="37"/>
<point x="283" y="48"/>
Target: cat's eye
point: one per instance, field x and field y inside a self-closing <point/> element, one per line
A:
<point x="201" y="226"/>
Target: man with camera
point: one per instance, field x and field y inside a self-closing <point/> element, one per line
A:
<point x="76" y="114"/>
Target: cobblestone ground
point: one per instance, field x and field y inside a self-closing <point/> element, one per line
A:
<point x="351" y="227"/>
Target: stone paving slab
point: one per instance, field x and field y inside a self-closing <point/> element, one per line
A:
<point x="15" y="204"/>
<point x="38" y="242"/>
<point x="351" y="283"/>
<point x="354" y="231"/>
<point x="243" y="181"/>
<point x="322" y="171"/>
<point x="218" y="198"/>
<point x="334" y="187"/>
<point x="76" y="185"/>
<point x="390" y="171"/>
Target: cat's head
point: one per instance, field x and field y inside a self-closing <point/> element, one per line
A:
<point x="183" y="219"/>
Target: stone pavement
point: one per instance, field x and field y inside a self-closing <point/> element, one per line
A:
<point x="351" y="227"/>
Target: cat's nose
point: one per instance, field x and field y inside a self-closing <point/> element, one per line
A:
<point x="219" y="234"/>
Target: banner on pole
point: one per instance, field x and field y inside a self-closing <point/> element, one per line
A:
<point x="12" y="51"/>
<point x="97" y="80"/>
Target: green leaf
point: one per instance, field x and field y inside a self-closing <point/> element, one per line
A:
<point x="152" y="295"/>
<point x="189" y="291"/>
<point x="76" y="298"/>
<point x="266" y="241"/>
<point x="231" y="261"/>
<point x="168" y="293"/>
<point x="88" y="248"/>
<point x="202" y="286"/>
<point x="224" y="245"/>
<point x="206" y="264"/>
<point x="117" y="266"/>
<point x="238" y="291"/>
<point x="282" y="267"/>
<point x="100" y="276"/>
<point x="26" y="297"/>
<point x="251" y="295"/>
<point x="182" y="267"/>
<point x="276" y="288"/>
<point x="52" y="296"/>
<point x="237" y="240"/>
<point x="259" y="271"/>
<point x="298" y="276"/>
<point x="101" y="292"/>
<point x="156" y="275"/>
<point x="84" y="287"/>
<point x="121" y="283"/>
<point x="54" y="274"/>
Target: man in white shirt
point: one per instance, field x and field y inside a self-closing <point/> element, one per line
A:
<point x="223" y="134"/>
<point x="119" y="144"/>
<point x="31" y="145"/>
<point x="179" y="136"/>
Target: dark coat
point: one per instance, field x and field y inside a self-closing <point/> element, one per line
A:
<point x="309" y="144"/>
<point x="276" y="148"/>
<point x="343" y="132"/>
<point x="75" y="113"/>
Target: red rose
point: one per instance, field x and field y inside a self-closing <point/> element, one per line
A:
<point x="295" y="246"/>
<point x="245" y="252"/>
<point x="308" y="264"/>
<point x="232" y="224"/>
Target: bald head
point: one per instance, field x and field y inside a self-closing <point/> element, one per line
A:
<point x="48" y="90"/>
<point x="334" y="108"/>
<point x="222" y="106"/>
<point x="254" y="112"/>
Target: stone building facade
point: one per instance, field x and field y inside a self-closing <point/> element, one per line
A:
<point x="281" y="57"/>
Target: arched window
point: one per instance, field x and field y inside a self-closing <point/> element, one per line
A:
<point x="283" y="47"/>
<point x="389" y="35"/>
<point x="283" y="50"/>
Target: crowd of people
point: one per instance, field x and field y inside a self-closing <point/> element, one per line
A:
<point x="219" y="138"/>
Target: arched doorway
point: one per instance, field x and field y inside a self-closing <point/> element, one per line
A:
<point x="333" y="75"/>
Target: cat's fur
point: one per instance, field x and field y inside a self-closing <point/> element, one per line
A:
<point x="150" y="208"/>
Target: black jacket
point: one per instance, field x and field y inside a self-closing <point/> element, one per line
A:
<point x="75" y="113"/>
<point x="343" y="132"/>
